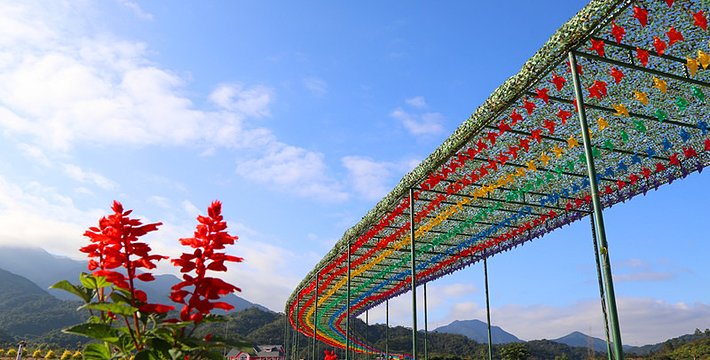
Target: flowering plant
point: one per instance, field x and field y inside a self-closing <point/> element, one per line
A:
<point x="124" y="322"/>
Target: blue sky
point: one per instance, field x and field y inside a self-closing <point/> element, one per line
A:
<point x="300" y="117"/>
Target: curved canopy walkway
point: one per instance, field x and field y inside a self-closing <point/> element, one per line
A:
<point x="518" y="167"/>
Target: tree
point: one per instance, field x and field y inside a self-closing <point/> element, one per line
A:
<point x="562" y="357"/>
<point x="514" y="351"/>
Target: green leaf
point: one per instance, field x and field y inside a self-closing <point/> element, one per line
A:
<point x="83" y="293"/>
<point x="147" y="355"/>
<point x="117" y="309"/>
<point x="96" y="331"/>
<point x="96" y="351"/>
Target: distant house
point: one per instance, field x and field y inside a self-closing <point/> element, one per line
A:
<point x="259" y="352"/>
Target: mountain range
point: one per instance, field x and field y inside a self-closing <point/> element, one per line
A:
<point x="478" y="331"/>
<point x="24" y="262"/>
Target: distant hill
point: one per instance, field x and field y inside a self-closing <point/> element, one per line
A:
<point x="27" y="311"/>
<point x="23" y="261"/>
<point x="478" y="331"/>
<point x="579" y="339"/>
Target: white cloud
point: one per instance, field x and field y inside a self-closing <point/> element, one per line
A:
<point x="252" y="102"/>
<point x="292" y="169"/>
<point x="373" y="179"/>
<point x="417" y="102"/>
<point x="316" y="86"/>
<point x="428" y="123"/>
<point x="643" y="320"/>
<point x="86" y="176"/>
<point x="35" y="153"/>
<point x="136" y="9"/>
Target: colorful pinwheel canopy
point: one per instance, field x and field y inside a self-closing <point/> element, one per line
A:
<point x="516" y="169"/>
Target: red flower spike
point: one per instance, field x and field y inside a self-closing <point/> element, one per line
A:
<point x="515" y="117"/>
<point x="598" y="46"/>
<point x="542" y="95"/>
<point x="616" y="74"/>
<point x="641" y="15"/>
<point x="550" y="126"/>
<point x="642" y="55"/>
<point x="674" y="36"/>
<point x="564" y="115"/>
<point x="618" y="32"/>
<point x="700" y="20"/>
<point x="659" y="44"/>
<point x="529" y="106"/>
<point x="115" y="244"/>
<point x="559" y="81"/>
<point x="210" y="237"/>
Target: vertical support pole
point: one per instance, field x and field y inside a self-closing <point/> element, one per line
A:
<point x="295" y="335"/>
<point x="367" y="327"/>
<point x="387" y="329"/>
<point x="601" y="287"/>
<point x="426" y="327"/>
<point x="598" y="217"/>
<point x="347" y="318"/>
<point x="488" y="310"/>
<point x="286" y="348"/>
<point x="414" y="274"/>
<point x="315" y="321"/>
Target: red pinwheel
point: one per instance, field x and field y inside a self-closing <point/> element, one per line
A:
<point x="646" y="172"/>
<point x="542" y="95"/>
<point x="515" y="117"/>
<point x="633" y="178"/>
<point x="700" y="20"/>
<point x="512" y="150"/>
<point x="669" y="2"/>
<point x="659" y="44"/>
<point x="564" y="115"/>
<point x="549" y="125"/>
<point x="503" y="127"/>
<point x="492" y="164"/>
<point x="659" y="167"/>
<point x="529" y="106"/>
<point x="481" y="145"/>
<point x="689" y="152"/>
<point x="536" y="135"/>
<point x="617" y="31"/>
<point x="616" y="74"/>
<point x="598" y="46"/>
<point x="492" y="137"/>
<point x="502" y="158"/>
<point x="673" y="159"/>
<point x="674" y="36"/>
<point x="642" y="55"/>
<point x="525" y="144"/>
<point x="559" y="81"/>
<point x="598" y="89"/>
<point x="641" y="15"/>
<point x="707" y="144"/>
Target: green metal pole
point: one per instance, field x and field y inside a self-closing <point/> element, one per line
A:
<point x="414" y="275"/>
<point x="488" y="310"/>
<point x="367" y="327"/>
<point x="315" y="321"/>
<point x="387" y="329"/>
<point x="601" y="287"/>
<point x="286" y="348"/>
<point x="347" y="318"/>
<point x="426" y="327"/>
<point x="295" y="335"/>
<point x="598" y="217"/>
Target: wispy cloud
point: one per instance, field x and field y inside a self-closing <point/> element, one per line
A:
<point x="373" y="179"/>
<point x="252" y="102"/>
<point x="86" y="176"/>
<point x="417" y="102"/>
<point x="316" y="86"/>
<point x="136" y="9"/>
<point x="428" y="123"/>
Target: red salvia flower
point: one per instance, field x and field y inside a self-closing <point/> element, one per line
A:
<point x="700" y="20"/>
<point x="198" y="293"/>
<point x="114" y="244"/>
<point x="616" y="74"/>
<point x="659" y="44"/>
<point x="559" y="81"/>
<point x="674" y="36"/>
<point x="641" y="15"/>
<point x="618" y="32"/>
